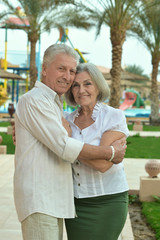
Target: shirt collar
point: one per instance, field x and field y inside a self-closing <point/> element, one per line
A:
<point x="50" y="93"/>
<point x="95" y="113"/>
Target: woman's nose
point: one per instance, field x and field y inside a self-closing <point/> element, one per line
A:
<point x="81" y="89"/>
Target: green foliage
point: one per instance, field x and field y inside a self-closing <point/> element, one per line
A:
<point x="151" y="210"/>
<point x="135" y="69"/>
<point x="7" y="140"/>
<point x="156" y="198"/>
<point x="133" y="198"/>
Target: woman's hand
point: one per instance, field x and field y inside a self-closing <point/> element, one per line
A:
<point x="67" y="126"/>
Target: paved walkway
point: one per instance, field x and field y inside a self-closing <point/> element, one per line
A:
<point x="145" y="133"/>
<point x="3" y="129"/>
<point x="9" y="225"/>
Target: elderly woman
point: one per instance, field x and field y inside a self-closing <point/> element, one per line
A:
<point x="101" y="197"/>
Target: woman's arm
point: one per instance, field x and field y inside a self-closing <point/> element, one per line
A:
<point x="108" y="138"/>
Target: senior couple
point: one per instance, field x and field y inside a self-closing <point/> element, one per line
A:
<point x="70" y="168"/>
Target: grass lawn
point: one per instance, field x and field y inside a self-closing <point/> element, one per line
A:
<point x="146" y="128"/>
<point x="143" y="147"/>
<point x="151" y="210"/>
<point x="5" y="124"/>
<point x="7" y="140"/>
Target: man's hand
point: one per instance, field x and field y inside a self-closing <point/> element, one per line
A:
<point x="120" y="149"/>
<point x="67" y="126"/>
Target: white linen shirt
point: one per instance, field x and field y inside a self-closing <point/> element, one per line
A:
<point x="87" y="181"/>
<point x="44" y="153"/>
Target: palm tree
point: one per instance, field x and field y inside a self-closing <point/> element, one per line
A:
<point x="147" y="30"/>
<point x="136" y="70"/>
<point x="42" y="15"/>
<point x="119" y="15"/>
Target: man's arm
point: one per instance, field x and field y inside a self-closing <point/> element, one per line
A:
<point x="89" y="152"/>
<point x="108" y="138"/>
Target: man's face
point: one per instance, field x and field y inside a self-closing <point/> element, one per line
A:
<point x="59" y="75"/>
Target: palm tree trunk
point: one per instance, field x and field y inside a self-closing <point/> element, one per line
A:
<point x="33" y="69"/>
<point x="154" y="117"/>
<point x="33" y="38"/>
<point x="117" y="39"/>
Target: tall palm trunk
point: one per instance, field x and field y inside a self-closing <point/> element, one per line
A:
<point x="33" y="38"/>
<point x="117" y="40"/>
<point x="154" y="117"/>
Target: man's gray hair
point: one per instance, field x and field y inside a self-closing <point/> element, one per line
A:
<point x="97" y="77"/>
<point x="55" y="49"/>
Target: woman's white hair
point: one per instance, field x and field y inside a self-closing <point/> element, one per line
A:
<point x="97" y="77"/>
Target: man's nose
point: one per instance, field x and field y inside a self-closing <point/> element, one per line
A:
<point x="67" y="75"/>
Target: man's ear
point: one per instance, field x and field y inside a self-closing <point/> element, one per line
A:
<point x="43" y="70"/>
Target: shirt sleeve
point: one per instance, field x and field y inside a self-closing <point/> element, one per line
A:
<point x="44" y="123"/>
<point x="116" y="122"/>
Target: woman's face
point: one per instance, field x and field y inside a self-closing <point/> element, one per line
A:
<point x="84" y="90"/>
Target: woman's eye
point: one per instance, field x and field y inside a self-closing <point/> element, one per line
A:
<point x="88" y="83"/>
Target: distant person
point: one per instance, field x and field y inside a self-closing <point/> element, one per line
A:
<point x="101" y="197"/>
<point x="43" y="186"/>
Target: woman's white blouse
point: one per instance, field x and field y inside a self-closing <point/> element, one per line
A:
<point x="87" y="181"/>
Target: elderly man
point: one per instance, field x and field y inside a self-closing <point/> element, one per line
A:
<point x="43" y="187"/>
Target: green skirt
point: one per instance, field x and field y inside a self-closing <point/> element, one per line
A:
<point x="99" y="218"/>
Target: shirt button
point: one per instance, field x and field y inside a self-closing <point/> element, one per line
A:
<point x="79" y="184"/>
<point x="80" y="132"/>
<point x="77" y="174"/>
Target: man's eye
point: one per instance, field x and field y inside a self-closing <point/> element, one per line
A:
<point x="88" y="83"/>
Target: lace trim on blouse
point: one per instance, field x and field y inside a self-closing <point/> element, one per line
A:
<point x="95" y="113"/>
